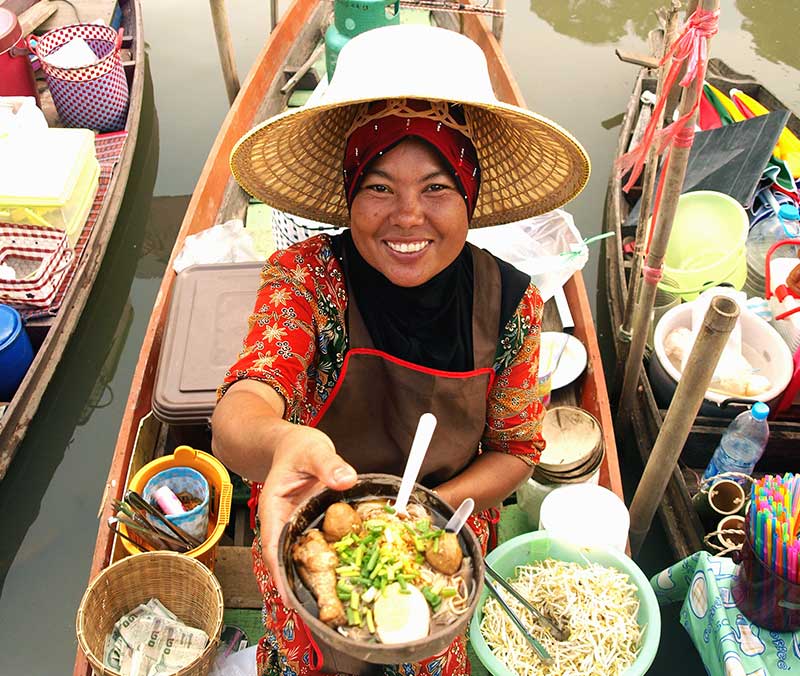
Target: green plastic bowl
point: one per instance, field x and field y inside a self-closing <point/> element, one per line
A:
<point x="707" y="244"/>
<point x="536" y="546"/>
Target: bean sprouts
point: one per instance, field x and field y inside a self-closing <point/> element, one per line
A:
<point x="598" y="604"/>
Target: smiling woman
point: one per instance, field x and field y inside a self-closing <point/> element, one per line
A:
<point x="354" y="336"/>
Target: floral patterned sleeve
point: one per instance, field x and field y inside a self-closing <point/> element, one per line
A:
<point x="515" y="415"/>
<point x="280" y="342"/>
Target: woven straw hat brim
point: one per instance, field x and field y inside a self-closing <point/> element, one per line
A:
<point x="529" y="165"/>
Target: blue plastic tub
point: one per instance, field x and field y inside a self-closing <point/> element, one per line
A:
<point x="16" y="352"/>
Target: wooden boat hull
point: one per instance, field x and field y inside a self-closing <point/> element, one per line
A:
<point x="683" y="528"/>
<point x="52" y="335"/>
<point x="217" y="198"/>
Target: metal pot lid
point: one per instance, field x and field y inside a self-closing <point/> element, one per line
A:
<point x="10" y="30"/>
<point x="572" y="437"/>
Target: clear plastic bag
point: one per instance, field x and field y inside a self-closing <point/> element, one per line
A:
<point x="549" y="248"/>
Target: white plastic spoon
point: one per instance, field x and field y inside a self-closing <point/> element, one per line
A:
<point x="460" y="516"/>
<point x="419" y="447"/>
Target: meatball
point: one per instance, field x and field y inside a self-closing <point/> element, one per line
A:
<point x="444" y="553"/>
<point x="340" y="519"/>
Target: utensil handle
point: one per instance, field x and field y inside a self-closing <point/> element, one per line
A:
<point x="538" y="647"/>
<point x="422" y="439"/>
<point x="555" y="631"/>
<point x="138" y="501"/>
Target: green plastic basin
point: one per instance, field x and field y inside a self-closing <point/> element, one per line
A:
<point x="536" y="546"/>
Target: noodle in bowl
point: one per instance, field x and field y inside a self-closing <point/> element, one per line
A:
<point x="599" y="594"/>
<point x="350" y="647"/>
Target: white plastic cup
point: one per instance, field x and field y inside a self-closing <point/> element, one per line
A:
<point x="585" y="515"/>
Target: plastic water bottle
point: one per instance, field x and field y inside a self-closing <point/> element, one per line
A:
<point x="742" y="444"/>
<point x="782" y="225"/>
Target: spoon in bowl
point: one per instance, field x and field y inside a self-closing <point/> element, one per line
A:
<point x="419" y="447"/>
<point x="460" y="516"/>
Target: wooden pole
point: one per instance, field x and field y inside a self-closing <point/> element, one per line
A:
<point x="498" y="21"/>
<point x="222" y="31"/>
<point x="648" y="183"/>
<point x="717" y="325"/>
<point x="273" y="14"/>
<point x="673" y="184"/>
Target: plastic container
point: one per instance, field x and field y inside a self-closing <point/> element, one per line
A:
<point x="764" y="597"/>
<point x="16" y="74"/>
<point x="785" y="224"/>
<point x="742" y="444"/>
<point x="206" y="325"/>
<point x="52" y="180"/>
<point x="707" y="245"/>
<point x="351" y="17"/>
<point x="766" y="351"/>
<point x="531" y="547"/>
<point x="177" y="480"/>
<point x="586" y="515"/>
<point x="16" y="352"/>
<point x="221" y="493"/>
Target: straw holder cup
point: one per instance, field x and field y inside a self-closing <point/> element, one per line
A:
<point x="347" y="655"/>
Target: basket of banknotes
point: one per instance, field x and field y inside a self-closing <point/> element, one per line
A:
<point x="157" y="612"/>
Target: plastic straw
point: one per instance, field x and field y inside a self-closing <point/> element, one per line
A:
<point x="773" y="521"/>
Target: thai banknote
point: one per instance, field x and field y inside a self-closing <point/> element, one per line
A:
<point x="151" y="640"/>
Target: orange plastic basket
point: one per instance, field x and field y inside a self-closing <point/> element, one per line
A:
<point x="219" y="482"/>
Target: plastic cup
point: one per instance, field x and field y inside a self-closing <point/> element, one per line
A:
<point x="179" y="480"/>
<point x="764" y="597"/>
<point x="544" y="387"/>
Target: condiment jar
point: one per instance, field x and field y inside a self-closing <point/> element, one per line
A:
<point x="16" y="74"/>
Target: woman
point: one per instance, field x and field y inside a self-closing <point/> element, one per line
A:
<point x="355" y="336"/>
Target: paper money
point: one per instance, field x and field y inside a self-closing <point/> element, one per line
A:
<point x="152" y="640"/>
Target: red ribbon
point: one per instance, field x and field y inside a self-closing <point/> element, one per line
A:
<point x="691" y="49"/>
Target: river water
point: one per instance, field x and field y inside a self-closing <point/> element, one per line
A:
<point x="562" y="53"/>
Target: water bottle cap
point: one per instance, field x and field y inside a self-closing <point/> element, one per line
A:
<point x="760" y="410"/>
<point x="789" y="212"/>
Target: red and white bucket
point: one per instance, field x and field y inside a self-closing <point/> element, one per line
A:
<point x="93" y="97"/>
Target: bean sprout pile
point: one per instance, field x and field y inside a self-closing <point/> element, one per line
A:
<point x="598" y="604"/>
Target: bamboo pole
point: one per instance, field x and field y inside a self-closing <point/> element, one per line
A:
<point x="222" y="31"/>
<point x="673" y="184"/>
<point x="648" y="183"/>
<point x="498" y="21"/>
<point x="717" y="325"/>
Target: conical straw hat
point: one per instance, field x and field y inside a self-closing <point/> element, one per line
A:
<point x="293" y="161"/>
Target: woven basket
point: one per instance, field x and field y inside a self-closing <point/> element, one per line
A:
<point x="182" y="584"/>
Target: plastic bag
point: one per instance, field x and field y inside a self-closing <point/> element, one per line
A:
<point x="225" y="243"/>
<point x="242" y="663"/>
<point x="548" y="247"/>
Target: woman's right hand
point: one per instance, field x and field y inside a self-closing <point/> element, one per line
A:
<point x="304" y="460"/>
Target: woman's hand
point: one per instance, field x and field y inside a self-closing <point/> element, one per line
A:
<point x="304" y="460"/>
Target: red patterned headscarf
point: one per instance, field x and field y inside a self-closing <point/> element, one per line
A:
<point x="376" y="137"/>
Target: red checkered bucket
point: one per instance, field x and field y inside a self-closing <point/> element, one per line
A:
<point x="40" y="257"/>
<point x="93" y="97"/>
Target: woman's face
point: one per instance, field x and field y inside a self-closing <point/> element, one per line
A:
<point x="408" y="219"/>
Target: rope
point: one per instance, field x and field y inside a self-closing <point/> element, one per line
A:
<point x="689" y="49"/>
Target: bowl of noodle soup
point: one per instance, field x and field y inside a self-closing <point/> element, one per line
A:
<point x="354" y="649"/>
<point x="599" y="594"/>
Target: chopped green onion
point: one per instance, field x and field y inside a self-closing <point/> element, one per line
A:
<point x="369" y="595"/>
<point x="359" y="556"/>
<point x="353" y="617"/>
<point x="389" y="509"/>
<point x="403" y="584"/>
<point x="343" y="596"/>
<point x="436" y="546"/>
<point x="373" y="559"/>
<point x="354" y="600"/>
<point x="370" y="621"/>
<point x="447" y="592"/>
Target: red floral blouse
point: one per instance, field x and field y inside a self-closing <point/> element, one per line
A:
<point x="298" y="338"/>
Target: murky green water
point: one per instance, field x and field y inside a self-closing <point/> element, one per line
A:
<point x="562" y="52"/>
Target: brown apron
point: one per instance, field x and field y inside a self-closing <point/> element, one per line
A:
<point x="373" y="410"/>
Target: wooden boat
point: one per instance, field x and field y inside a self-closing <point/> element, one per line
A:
<point x="683" y="528"/>
<point x="50" y="335"/>
<point x="218" y="198"/>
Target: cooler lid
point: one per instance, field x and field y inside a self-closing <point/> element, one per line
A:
<point x="10" y="325"/>
<point x="206" y="324"/>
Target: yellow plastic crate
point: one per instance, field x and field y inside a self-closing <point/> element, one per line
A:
<point x="50" y="180"/>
